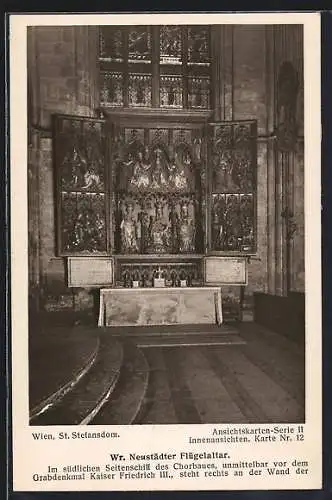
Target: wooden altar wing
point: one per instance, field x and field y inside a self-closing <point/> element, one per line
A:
<point x="81" y="186"/>
<point x="232" y="162"/>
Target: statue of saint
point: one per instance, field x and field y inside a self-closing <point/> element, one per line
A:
<point x="159" y="233"/>
<point x="141" y="175"/>
<point x="186" y="231"/>
<point x="144" y="224"/>
<point x="129" y="232"/>
<point x="181" y="171"/>
<point x="160" y="172"/>
<point x="125" y="171"/>
<point x="178" y="178"/>
<point x="217" y="232"/>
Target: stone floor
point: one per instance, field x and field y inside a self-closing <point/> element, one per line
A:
<point x="261" y="380"/>
<point x="258" y="380"/>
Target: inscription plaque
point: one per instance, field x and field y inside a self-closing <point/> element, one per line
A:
<point x="88" y="272"/>
<point x="225" y="271"/>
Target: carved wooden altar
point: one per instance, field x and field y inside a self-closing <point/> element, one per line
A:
<point x="155" y="192"/>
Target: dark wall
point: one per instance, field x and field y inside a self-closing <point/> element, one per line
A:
<point x="284" y="315"/>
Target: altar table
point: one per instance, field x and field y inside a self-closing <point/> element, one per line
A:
<point x="160" y="306"/>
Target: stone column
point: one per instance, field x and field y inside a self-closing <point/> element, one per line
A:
<point x="222" y="74"/>
<point x="33" y="172"/>
<point x="288" y="47"/>
<point x="271" y="158"/>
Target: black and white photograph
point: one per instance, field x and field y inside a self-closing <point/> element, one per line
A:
<point x="166" y="224"/>
<point x="167" y="204"/>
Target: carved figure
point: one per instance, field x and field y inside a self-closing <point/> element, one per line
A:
<point x="198" y="44"/>
<point x="91" y="178"/>
<point x="126" y="169"/>
<point x="144" y="224"/>
<point x="99" y="224"/>
<point x="159" y="233"/>
<point x="78" y="233"/>
<point x="219" y="224"/>
<point x="170" y="41"/>
<point x="87" y="232"/>
<point x="129" y="232"/>
<point x="186" y="231"/>
<point x="197" y="148"/>
<point x="224" y="172"/>
<point x="93" y="230"/>
<point x="218" y="233"/>
<point x="138" y="42"/>
<point x="140" y="94"/>
<point x="141" y="176"/>
<point x="232" y="222"/>
<point x="74" y="164"/>
<point x="178" y="178"/>
<point x="160" y="173"/>
<point x="181" y="171"/>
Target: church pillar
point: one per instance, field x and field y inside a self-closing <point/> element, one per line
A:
<point x="280" y="309"/>
<point x="222" y="75"/>
<point x="277" y="224"/>
<point x="271" y="156"/>
<point x="86" y="56"/>
<point x="288" y="48"/>
<point x="298" y="256"/>
<point x="33" y="174"/>
<point x="297" y="242"/>
<point x="33" y="221"/>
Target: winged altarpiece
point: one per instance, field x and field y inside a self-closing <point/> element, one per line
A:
<point x="155" y="192"/>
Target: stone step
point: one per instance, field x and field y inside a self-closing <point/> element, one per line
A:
<point x="168" y="330"/>
<point x="82" y="403"/>
<point x="58" y="359"/>
<point x="124" y="405"/>
<point x="189" y="341"/>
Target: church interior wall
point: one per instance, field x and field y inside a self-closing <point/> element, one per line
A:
<point x="63" y="79"/>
